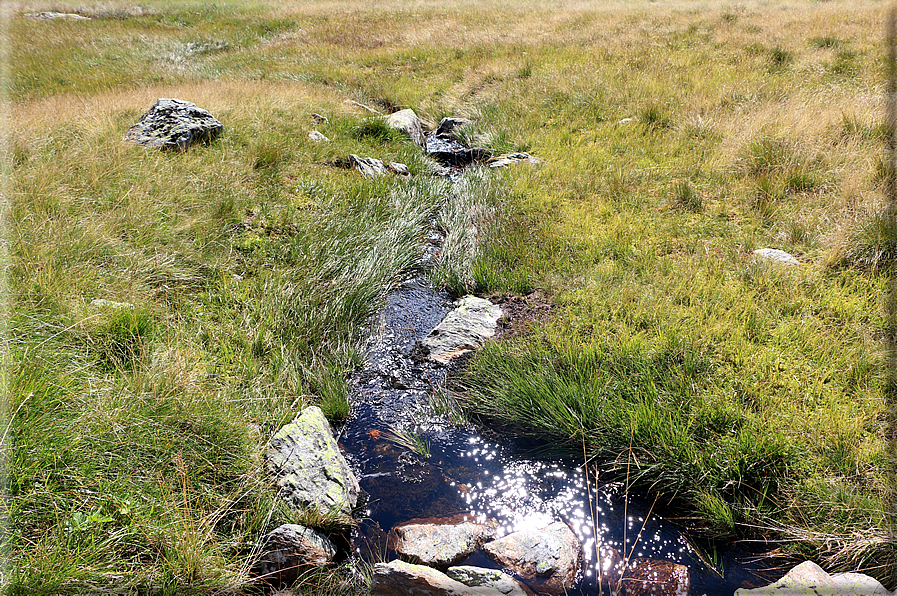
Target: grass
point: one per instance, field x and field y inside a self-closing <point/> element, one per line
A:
<point x="751" y="396"/>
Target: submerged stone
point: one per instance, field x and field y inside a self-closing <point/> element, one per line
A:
<point x="306" y="462"/>
<point x="440" y="542"/>
<point x="463" y="330"/>
<point x="408" y="122"/>
<point x="174" y="124"/>
<point x="289" y="551"/>
<point x="487" y="578"/>
<point x="655" y="577"/>
<point x="546" y="559"/>
<point x="809" y="579"/>
<point x="399" y="578"/>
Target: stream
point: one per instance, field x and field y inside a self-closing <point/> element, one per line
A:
<point x="483" y="476"/>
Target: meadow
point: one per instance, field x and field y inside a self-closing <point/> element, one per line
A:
<point x="675" y="138"/>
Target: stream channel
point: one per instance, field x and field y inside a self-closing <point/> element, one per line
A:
<point x="485" y="476"/>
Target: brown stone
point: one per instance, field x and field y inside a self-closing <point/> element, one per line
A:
<point x="655" y="577"/>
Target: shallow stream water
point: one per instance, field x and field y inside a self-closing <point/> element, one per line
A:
<point x="468" y="473"/>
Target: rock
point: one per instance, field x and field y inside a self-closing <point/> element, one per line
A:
<point x="399" y="578"/>
<point x="103" y="303"/>
<point x="463" y="330"/>
<point x="57" y="15"/>
<point x="488" y="578"/>
<point x="306" y="462"/>
<point x="318" y="137"/>
<point x="777" y="256"/>
<point x="408" y="122"/>
<point x="440" y="542"/>
<point x="319" y="118"/>
<point x="399" y="169"/>
<point x="289" y="551"/>
<point x="174" y="124"/>
<point x="512" y="158"/>
<point x="808" y="579"/>
<point x="447" y="125"/>
<point x="547" y="559"/>
<point x="369" y="167"/>
<point x="654" y="577"/>
<point x="451" y="152"/>
<point x="625" y="121"/>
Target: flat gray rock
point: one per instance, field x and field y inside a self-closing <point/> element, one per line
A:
<point x="512" y="158"/>
<point x="546" y="559"/>
<point x="307" y="465"/>
<point x="438" y="542"/>
<point x="174" y="124"/>
<point x="57" y="15"/>
<point x="408" y="122"/>
<point x="776" y="256"/>
<point x="370" y="167"/>
<point x="290" y="550"/>
<point x="318" y="137"/>
<point x="399" y="578"/>
<point x="463" y="330"/>
<point x="809" y="579"/>
<point x="488" y="578"/>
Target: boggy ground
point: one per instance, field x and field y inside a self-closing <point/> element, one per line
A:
<point x="675" y="139"/>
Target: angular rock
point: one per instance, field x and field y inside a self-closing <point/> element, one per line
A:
<point x="655" y="577"/>
<point x="463" y="330"/>
<point x="451" y="152"/>
<point x="399" y="578"/>
<point x="776" y="256"/>
<point x="289" y="551"/>
<point x="408" y="122"/>
<point x="399" y="169"/>
<point x="370" y="167"/>
<point x="306" y="462"/>
<point x="809" y="579"/>
<point x="318" y="137"/>
<point x="440" y="542"/>
<point x="447" y="125"/>
<point x="319" y="118"/>
<point x="512" y="158"/>
<point x="488" y="578"/>
<point x="174" y="124"/>
<point x="547" y="559"/>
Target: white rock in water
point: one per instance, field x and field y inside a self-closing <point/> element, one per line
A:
<point x="779" y="256"/>
<point x="463" y="330"/>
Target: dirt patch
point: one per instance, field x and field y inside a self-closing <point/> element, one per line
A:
<point x="520" y="312"/>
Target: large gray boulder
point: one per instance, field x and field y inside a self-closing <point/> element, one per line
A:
<point x="174" y="124"/>
<point x="487" y="578"/>
<point x="290" y="550"/>
<point x="440" y="542"/>
<point x="809" y="579"/>
<point x="399" y="578"/>
<point x="306" y="462"/>
<point x="463" y="330"/>
<point x="408" y="122"/>
<point x="547" y="559"/>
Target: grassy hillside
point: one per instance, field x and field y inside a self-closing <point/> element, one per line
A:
<point x="676" y="138"/>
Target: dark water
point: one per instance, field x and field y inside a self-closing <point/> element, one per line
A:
<point x="467" y="473"/>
